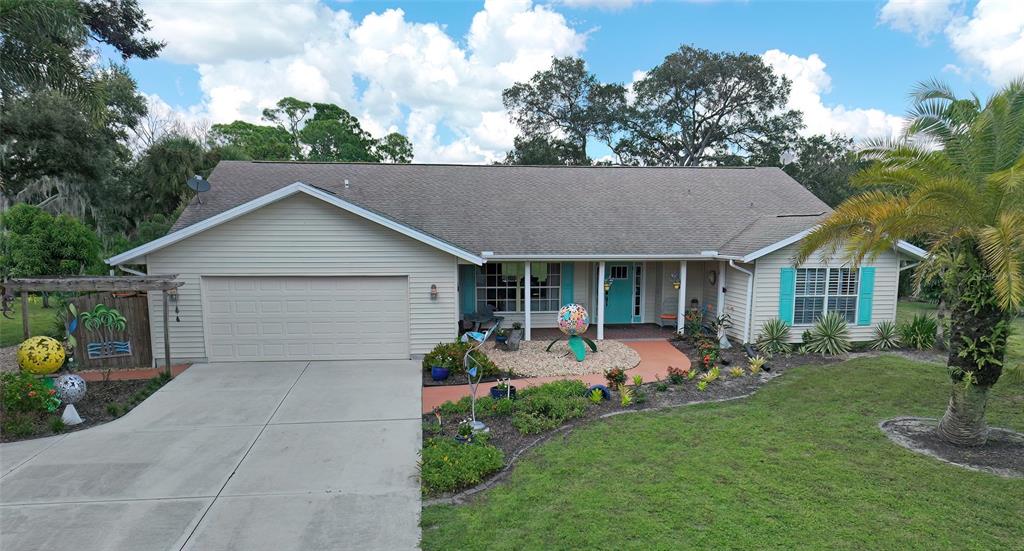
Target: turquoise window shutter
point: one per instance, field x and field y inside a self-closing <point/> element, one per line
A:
<point x="467" y="289"/>
<point x="867" y="295"/>
<point x="787" y="288"/>
<point x="568" y="270"/>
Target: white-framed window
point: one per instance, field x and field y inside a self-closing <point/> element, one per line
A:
<point x="501" y="285"/>
<point x="618" y="272"/>
<point x="821" y="290"/>
<point x="637" y="290"/>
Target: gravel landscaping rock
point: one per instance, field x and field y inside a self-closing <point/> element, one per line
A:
<point x="532" y="360"/>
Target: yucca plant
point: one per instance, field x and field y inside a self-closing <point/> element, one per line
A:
<point x="955" y="180"/>
<point x="774" y="338"/>
<point x="919" y="332"/>
<point x="886" y="336"/>
<point x="830" y="336"/>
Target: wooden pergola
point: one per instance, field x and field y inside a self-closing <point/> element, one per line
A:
<point x="85" y="284"/>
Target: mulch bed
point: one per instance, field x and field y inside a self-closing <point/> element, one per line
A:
<point x="737" y="357"/>
<point x="1002" y="454"/>
<point x="92" y="408"/>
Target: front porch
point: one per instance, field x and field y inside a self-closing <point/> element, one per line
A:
<point x="626" y="299"/>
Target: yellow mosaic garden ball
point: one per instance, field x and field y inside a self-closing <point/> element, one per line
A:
<point x="40" y="355"/>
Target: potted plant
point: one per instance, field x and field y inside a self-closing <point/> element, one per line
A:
<point x="504" y="389"/>
<point x="464" y="433"/>
<point x="501" y="335"/>
<point x="518" y="328"/>
<point x="442" y="360"/>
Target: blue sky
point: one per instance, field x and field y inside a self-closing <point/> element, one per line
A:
<point x="434" y="70"/>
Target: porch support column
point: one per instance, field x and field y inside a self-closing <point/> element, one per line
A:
<point x="720" y="307"/>
<point x="600" y="300"/>
<point x="527" y="323"/>
<point x="681" y="306"/>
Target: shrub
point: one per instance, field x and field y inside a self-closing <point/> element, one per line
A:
<point x="756" y="364"/>
<point x="595" y="396"/>
<point x="886" y="336"/>
<point x="638" y="380"/>
<point x="57" y="425"/>
<point x="450" y="355"/>
<point x="774" y="338"/>
<point x="446" y="465"/>
<point x="919" y="332"/>
<point x="737" y="372"/>
<point x="18" y="425"/>
<point x="711" y="376"/>
<point x="460" y="407"/>
<point x="540" y="411"/>
<point x="567" y="388"/>
<point x="615" y="377"/>
<point x="489" y="407"/>
<point x="661" y="386"/>
<point x="692" y="323"/>
<point x="25" y="393"/>
<point x="830" y="336"/>
<point x="626" y="396"/>
<point x="708" y="351"/>
<point x="114" y="410"/>
<point x="677" y="375"/>
<point x="702" y="385"/>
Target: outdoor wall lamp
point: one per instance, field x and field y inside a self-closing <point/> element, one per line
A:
<point x="676" y="284"/>
<point x="433" y="291"/>
<point x="607" y="285"/>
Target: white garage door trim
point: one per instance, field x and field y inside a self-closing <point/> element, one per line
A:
<point x="390" y="339"/>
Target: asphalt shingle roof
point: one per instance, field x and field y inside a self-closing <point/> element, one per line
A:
<point x="548" y="210"/>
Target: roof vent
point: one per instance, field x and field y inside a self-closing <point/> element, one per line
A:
<point x="346" y="183"/>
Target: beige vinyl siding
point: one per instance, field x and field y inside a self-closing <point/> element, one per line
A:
<point x="303" y="236"/>
<point x="736" y="299"/>
<point x="651" y="307"/>
<point x="766" y="290"/>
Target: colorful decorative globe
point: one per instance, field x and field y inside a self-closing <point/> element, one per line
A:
<point x="573" y="319"/>
<point x="40" y="355"/>
<point x="70" y="388"/>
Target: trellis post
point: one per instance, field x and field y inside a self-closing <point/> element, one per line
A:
<point x="167" y="338"/>
<point x="24" y="314"/>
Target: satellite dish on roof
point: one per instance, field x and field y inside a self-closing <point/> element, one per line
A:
<point x="198" y="184"/>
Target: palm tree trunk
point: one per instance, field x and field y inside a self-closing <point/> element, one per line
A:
<point x="964" y="421"/>
<point x="972" y="372"/>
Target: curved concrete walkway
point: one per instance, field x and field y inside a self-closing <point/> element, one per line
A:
<point x="253" y="456"/>
<point x="655" y="358"/>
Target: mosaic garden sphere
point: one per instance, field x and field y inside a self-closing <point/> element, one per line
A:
<point x="40" y="355"/>
<point x="70" y="388"/>
<point x="573" y="319"/>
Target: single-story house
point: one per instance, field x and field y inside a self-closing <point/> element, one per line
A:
<point x="287" y="260"/>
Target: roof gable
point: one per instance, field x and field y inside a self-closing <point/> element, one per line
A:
<point x="275" y="196"/>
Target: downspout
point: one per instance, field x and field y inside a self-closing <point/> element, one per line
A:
<point x="750" y="299"/>
<point x="130" y="271"/>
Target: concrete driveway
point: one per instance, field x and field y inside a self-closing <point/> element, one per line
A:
<point x="249" y="456"/>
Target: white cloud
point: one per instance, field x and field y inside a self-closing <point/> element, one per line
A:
<point x="810" y="82"/>
<point x="415" y="77"/>
<point x="922" y="17"/>
<point x="992" y="37"/>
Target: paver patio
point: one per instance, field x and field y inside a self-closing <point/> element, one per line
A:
<point x="655" y="358"/>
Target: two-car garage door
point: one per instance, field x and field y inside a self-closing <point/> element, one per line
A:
<point x="306" y="318"/>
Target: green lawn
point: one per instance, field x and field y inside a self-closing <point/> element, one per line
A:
<point x="40" y="322"/>
<point x="1014" y="351"/>
<point x="800" y="465"/>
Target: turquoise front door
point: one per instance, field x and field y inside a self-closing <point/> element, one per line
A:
<point x="619" y="302"/>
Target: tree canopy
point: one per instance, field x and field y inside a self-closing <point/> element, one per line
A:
<point x="308" y="131"/>
<point x="36" y="243"/>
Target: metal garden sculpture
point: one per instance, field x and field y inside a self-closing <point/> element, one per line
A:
<point x="105" y="320"/>
<point x="474" y="371"/>
<point x="574" y="321"/>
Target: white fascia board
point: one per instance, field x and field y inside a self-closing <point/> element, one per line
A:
<point x="901" y="245"/>
<point x="912" y="250"/>
<point x="277" y="195"/>
<point x="554" y="257"/>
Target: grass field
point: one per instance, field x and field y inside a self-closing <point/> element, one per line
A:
<point x="800" y="465"/>
<point x="40" y="321"/>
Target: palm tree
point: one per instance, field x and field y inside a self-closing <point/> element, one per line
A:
<point x="954" y="179"/>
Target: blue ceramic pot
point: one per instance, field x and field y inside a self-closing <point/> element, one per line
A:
<point x="499" y="393"/>
<point x="438" y="373"/>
